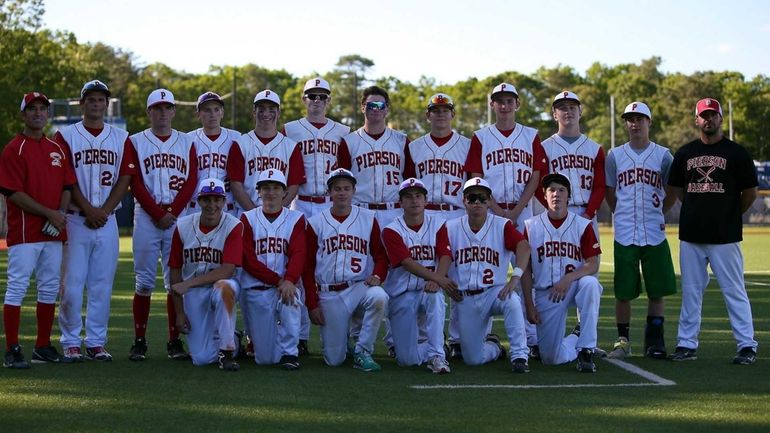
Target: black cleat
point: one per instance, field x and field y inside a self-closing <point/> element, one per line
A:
<point x="585" y="361"/>
<point x="745" y="356"/>
<point x="494" y="338"/>
<point x="226" y="361"/>
<point x="138" y="350"/>
<point x="176" y="350"/>
<point x="520" y="365"/>
<point x="534" y="352"/>
<point x="302" y="349"/>
<point x="455" y="351"/>
<point x="289" y="362"/>
<point x="45" y="354"/>
<point x="684" y="354"/>
<point x="14" y="358"/>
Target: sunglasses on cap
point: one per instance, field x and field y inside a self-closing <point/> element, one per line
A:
<point x="208" y="189"/>
<point x="476" y="198"/>
<point x="376" y="105"/>
<point x="316" y="97"/>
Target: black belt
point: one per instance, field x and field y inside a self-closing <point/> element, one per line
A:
<point x="380" y="206"/>
<point x="260" y="288"/>
<point x="472" y="292"/>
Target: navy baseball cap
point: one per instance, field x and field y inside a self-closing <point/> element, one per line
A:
<point x="94" y="86"/>
<point x="340" y="173"/>
<point x="556" y="178"/>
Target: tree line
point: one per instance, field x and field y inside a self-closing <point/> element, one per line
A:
<point x="55" y="63"/>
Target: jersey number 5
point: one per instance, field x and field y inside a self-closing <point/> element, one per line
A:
<point x="355" y="264"/>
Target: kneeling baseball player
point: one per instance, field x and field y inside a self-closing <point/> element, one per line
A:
<point x="419" y="255"/>
<point x="274" y="254"/>
<point x="565" y="257"/>
<point x="482" y="247"/>
<point x="346" y="265"/>
<point x="205" y="250"/>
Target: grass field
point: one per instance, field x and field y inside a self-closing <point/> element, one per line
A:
<point x="707" y="395"/>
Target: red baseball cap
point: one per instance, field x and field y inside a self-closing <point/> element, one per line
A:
<point x="708" y="104"/>
<point x="34" y="96"/>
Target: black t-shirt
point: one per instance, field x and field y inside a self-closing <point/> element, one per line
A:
<point x="712" y="178"/>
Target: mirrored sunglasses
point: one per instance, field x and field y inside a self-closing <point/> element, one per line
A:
<point x="376" y="106"/>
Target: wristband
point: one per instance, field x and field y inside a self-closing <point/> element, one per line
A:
<point x="518" y="272"/>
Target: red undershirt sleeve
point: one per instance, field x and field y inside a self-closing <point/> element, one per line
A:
<point x="394" y="247"/>
<point x="175" y="257"/>
<point x="512" y="237"/>
<point x="296" y="168"/>
<point x="589" y="245"/>
<point x="233" y="251"/>
<point x="600" y="185"/>
<point x="236" y="165"/>
<point x="343" y="155"/>
<point x="378" y="252"/>
<point x="473" y="160"/>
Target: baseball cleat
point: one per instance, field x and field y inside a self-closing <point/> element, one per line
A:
<point x="520" y="365"/>
<point x="14" y="358"/>
<point x="621" y="349"/>
<point x="438" y="365"/>
<point x="455" y="351"/>
<point x="226" y="361"/>
<point x="138" y="350"/>
<point x="175" y="349"/>
<point x="98" y="353"/>
<point x="249" y="348"/>
<point x="363" y="361"/>
<point x="534" y="352"/>
<point x="656" y="351"/>
<point x="585" y="361"/>
<point x="745" y="356"/>
<point x="684" y="354"/>
<point x="392" y="351"/>
<point x="45" y="354"/>
<point x="302" y="349"/>
<point x="289" y="362"/>
<point x="72" y="355"/>
<point x="495" y="339"/>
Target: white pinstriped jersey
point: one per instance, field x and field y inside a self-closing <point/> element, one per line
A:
<point x="507" y="161"/>
<point x="203" y="252"/>
<point x="165" y="166"/>
<point x="555" y="251"/>
<point x="96" y="160"/>
<point x="377" y="165"/>
<point x="259" y="157"/>
<point x="212" y="156"/>
<point x="479" y="260"/>
<point x="440" y="168"/>
<point x="422" y="248"/>
<point x="271" y="240"/>
<point x="639" y="183"/>
<point x="319" y="151"/>
<point x="576" y="161"/>
<point x="344" y="248"/>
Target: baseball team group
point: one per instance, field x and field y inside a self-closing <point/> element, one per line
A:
<point x="357" y="230"/>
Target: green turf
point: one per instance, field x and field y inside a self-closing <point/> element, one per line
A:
<point x="161" y="395"/>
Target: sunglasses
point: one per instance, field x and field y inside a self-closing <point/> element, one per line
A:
<point x="316" y="97"/>
<point x="476" y="198"/>
<point x="376" y="106"/>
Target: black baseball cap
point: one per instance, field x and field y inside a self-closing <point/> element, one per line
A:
<point x="557" y="178"/>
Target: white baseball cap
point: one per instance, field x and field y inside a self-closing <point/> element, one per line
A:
<point x="340" y="173"/>
<point x="476" y="182"/>
<point x="441" y="100"/>
<point x="271" y="175"/>
<point x="565" y="95"/>
<point x="317" y="83"/>
<point x="267" y="95"/>
<point x="33" y="96"/>
<point x="206" y="97"/>
<point x="504" y="88"/>
<point x="637" y="107"/>
<point x="160" y="96"/>
<point x="211" y="186"/>
<point x="412" y="183"/>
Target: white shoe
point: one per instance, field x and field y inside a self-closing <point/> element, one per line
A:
<point x="438" y="365"/>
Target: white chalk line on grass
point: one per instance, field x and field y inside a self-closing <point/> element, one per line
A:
<point x="654" y="380"/>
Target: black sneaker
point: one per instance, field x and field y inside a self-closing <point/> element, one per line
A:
<point x="455" y="351"/>
<point x="576" y="330"/>
<point x="494" y="338"/>
<point x="684" y="354"/>
<point x="392" y="351"/>
<point x="520" y="365"/>
<point x="302" y="348"/>
<point x="45" y="354"/>
<point x="14" y="358"/>
<point x="175" y="349"/>
<point x="585" y="361"/>
<point x="138" y="350"/>
<point x="289" y="362"/>
<point x="226" y="361"/>
<point x="656" y="351"/>
<point x="534" y="352"/>
<point x="745" y="356"/>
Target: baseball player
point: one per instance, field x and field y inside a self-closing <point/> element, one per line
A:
<point x="345" y="267"/>
<point x="205" y="250"/>
<point x="318" y="138"/>
<point x="166" y="180"/>
<point x="274" y="255"/>
<point x="104" y="164"/>
<point x="716" y="180"/>
<point x="376" y="155"/>
<point x="36" y="177"/>
<point x="637" y="173"/>
<point x="482" y="245"/>
<point x="577" y="157"/>
<point x="212" y="144"/>
<point x="510" y="157"/>
<point x="260" y="149"/>
<point x="419" y="256"/>
<point x="565" y="257"/>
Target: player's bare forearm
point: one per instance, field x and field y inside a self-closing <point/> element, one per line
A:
<point x="291" y="192"/>
<point x="612" y="199"/>
<point x="415" y="268"/>
<point x="221" y="273"/>
<point x="29" y="204"/>
<point x="529" y="192"/>
<point x="240" y="196"/>
<point x="522" y="254"/>
<point x="747" y="198"/>
<point x="677" y="192"/>
<point x="670" y="199"/>
<point x="80" y="200"/>
<point x="116" y="195"/>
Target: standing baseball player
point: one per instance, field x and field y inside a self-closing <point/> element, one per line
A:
<point x="205" y="250"/>
<point x="419" y="256"/>
<point x="716" y="180"/>
<point x="577" y="157"/>
<point x="565" y="257"/>
<point x="274" y="255"/>
<point x="166" y="180"/>
<point x="375" y="154"/>
<point x="104" y="163"/>
<point x="212" y="144"/>
<point x="637" y="173"/>
<point x="318" y="138"/>
<point x="346" y="265"/>
<point x="482" y="247"/>
<point x="260" y="149"/>
<point x="36" y="177"/>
